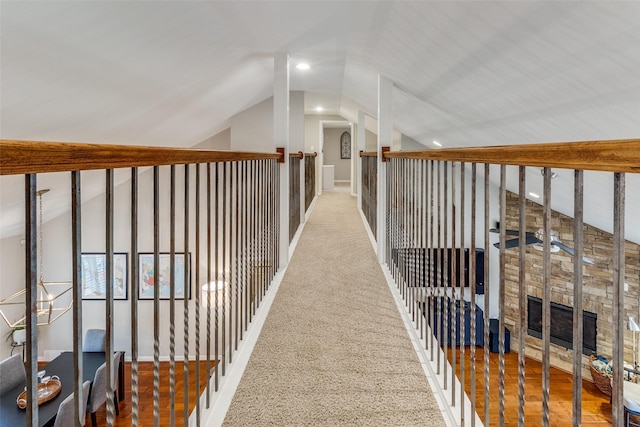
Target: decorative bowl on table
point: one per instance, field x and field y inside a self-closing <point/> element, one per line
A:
<point x="47" y="390"/>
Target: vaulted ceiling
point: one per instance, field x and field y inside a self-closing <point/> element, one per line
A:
<point x="465" y="73"/>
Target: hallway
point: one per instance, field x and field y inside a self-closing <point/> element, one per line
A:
<point x="333" y="349"/>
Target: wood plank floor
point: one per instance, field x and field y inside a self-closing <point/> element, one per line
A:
<point x="596" y="408"/>
<point x="145" y="386"/>
<point x="595" y="405"/>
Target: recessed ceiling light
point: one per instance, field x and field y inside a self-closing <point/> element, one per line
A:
<point x="302" y="66"/>
<point x="319" y="109"/>
<point x="437" y="143"/>
<point x="534" y="195"/>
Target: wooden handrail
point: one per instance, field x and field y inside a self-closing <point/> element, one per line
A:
<point x="611" y="156"/>
<point x="297" y="155"/>
<point x="314" y="154"/>
<point x="368" y="154"/>
<point x="21" y="157"/>
<point x="25" y="157"/>
<point x="384" y="150"/>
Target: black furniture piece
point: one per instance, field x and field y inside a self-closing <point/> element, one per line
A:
<point x="62" y="366"/>
<point x="494" y="337"/>
<point x="417" y="266"/>
<point x="453" y="321"/>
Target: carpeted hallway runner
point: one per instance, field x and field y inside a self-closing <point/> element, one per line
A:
<point x="333" y="350"/>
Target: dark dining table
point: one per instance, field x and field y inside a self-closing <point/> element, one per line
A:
<point x="62" y="366"/>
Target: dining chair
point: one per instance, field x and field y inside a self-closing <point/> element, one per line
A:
<point x="94" y="340"/>
<point x="98" y="393"/>
<point x="99" y="388"/>
<point x="66" y="415"/>
<point x="12" y="373"/>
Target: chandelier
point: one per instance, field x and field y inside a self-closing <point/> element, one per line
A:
<point x="49" y="304"/>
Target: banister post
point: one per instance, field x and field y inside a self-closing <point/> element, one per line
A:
<point x="360" y="141"/>
<point x="385" y="139"/>
<point x="281" y="140"/>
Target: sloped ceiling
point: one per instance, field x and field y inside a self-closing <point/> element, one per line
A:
<point x="466" y="73"/>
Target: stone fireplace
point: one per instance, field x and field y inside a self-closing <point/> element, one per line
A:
<point x="598" y="289"/>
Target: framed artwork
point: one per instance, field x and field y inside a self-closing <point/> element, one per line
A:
<point x="94" y="276"/>
<point x="345" y="145"/>
<point x="147" y="275"/>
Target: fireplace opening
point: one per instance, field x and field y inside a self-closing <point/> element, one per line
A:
<point x="562" y="325"/>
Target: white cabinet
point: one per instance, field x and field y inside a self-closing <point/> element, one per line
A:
<point x="328" y="172"/>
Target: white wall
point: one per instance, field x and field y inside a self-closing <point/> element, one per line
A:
<point x="342" y="170"/>
<point x="57" y="266"/>
<point x="12" y="273"/>
<point x="296" y="122"/>
<point x="252" y="129"/>
<point x="371" y="141"/>
<point x="312" y="143"/>
<point x="57" y="258"/>
<point x="408" y="144"/>
<point x="312" y="130"/>
<point x="220" y="141"/>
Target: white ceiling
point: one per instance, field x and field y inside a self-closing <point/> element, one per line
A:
<point x="466" y="73"/>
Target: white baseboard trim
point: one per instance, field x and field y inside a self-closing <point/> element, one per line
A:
<point x="311" y="206"/>
<point x="221" y="400"/>
<point x="450" y="408"/>
<point x="372" y="239"/>
<point x="296" y="237"/>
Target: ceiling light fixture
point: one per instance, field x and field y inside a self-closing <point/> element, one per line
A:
<point x="537" y="196"/>
<point x="437" y="143"/>
<point x="319" y="109"/>
<point x="303" y="66"/>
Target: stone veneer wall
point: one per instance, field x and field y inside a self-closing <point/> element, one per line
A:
<point x="598" y="288"/>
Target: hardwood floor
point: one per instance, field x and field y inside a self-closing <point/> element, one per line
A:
<point x="596" y="408"/>
<point x="145" y="386"/>
<point x="595" y="405"/>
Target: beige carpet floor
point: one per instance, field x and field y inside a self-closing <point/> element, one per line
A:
<point x="333" y="350"/>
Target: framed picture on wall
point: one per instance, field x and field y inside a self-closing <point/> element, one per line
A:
<point x="94" y="276"/>
<point x="147" y="275"/>
<point x="345" y="145"/>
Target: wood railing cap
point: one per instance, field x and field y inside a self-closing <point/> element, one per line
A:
<point x="298" y="155"/>
<point x="610" y="156"/>
<point x="21" y="157"/>
<point x="25" y="157"/>
<point x="368" y="153"/>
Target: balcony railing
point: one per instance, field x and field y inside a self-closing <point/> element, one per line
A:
<point x="223" y="209"/>
<point x="218" y="212"/>
<point x="309" y="179"/>
<point x="443" y="203"/>
<point x="295" y="164"/>
<point x="369" y="176"/>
